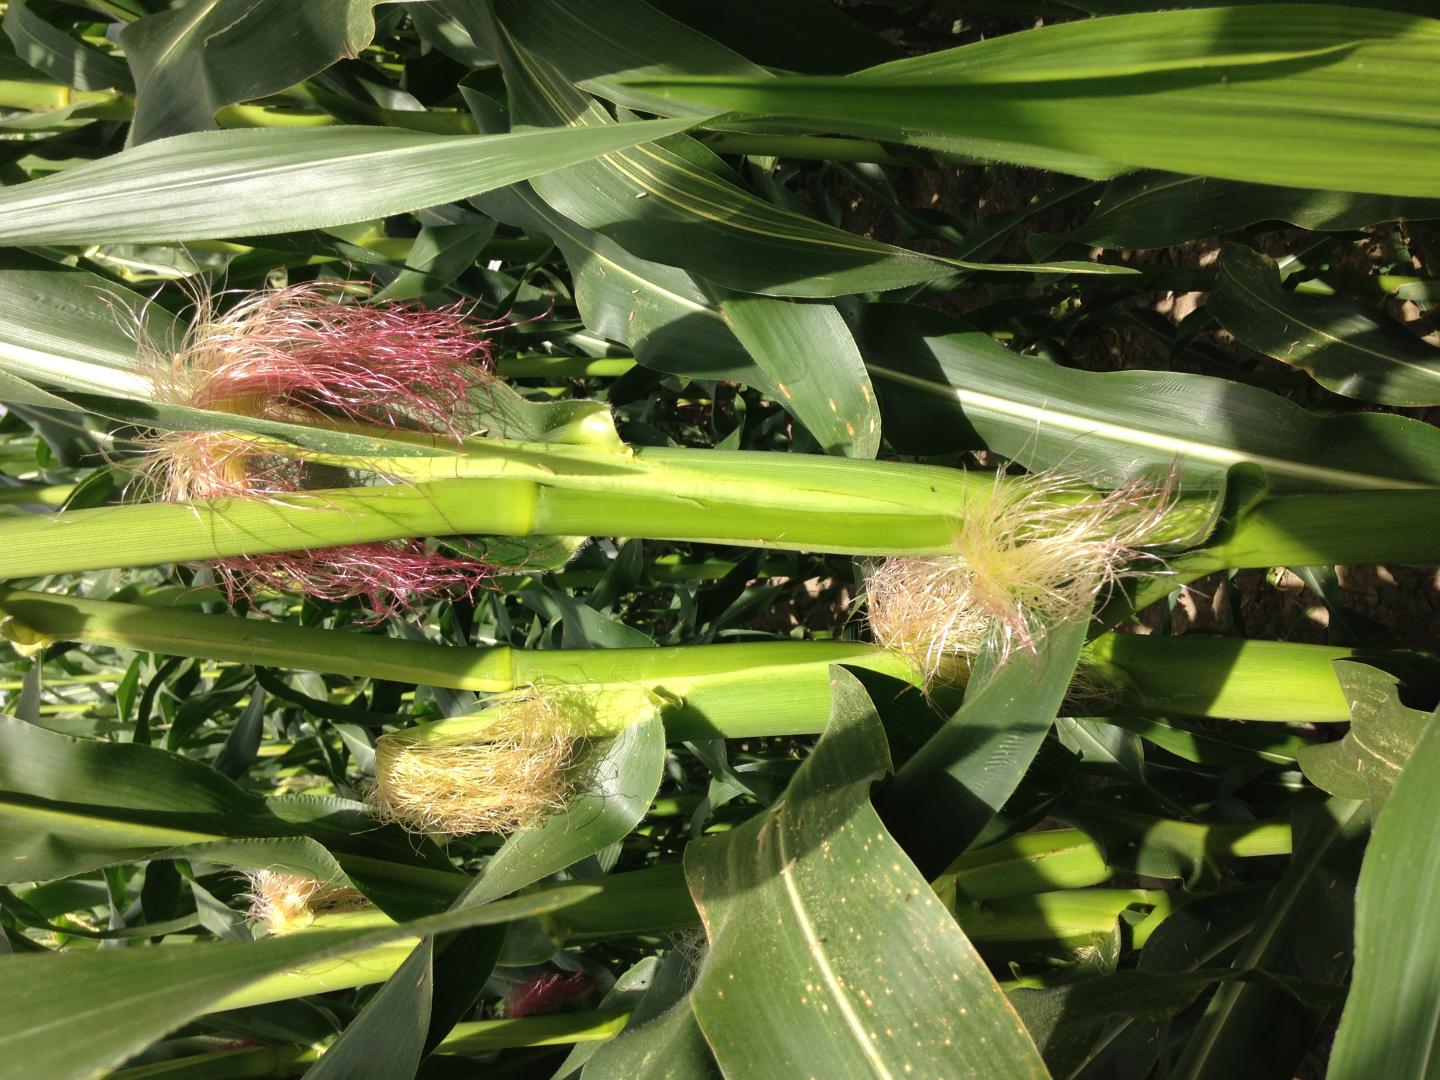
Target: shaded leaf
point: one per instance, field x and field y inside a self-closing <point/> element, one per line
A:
<point x="1158" y="210"/>
<point x="1371" y="757"/>
<point x="1338" y="342"/>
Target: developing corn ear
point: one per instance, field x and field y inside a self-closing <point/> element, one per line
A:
<point x="283" y="902"/>
<point x="1030" y="555"/>
<point x="299" y="356"/>
<point x="502" y="768"/>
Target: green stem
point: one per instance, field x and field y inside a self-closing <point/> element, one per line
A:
<point x="563" y="367"/>
<point x="1365" y="527"/>
<point x="36" y="494"/>
<point x="710" y="686"/>
<point x="502" y="488"/>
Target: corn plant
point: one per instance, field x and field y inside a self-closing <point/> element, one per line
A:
<point x="651" y="538"/>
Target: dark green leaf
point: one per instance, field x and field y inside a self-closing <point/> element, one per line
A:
<point x="1339" y="342"/>
<point x="191" y="61"/>
<point x="50" y="50"/>
<point x="1158" y="210"/>
<point x="1304" y="931"/>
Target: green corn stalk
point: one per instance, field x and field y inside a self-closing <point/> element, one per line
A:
<point x="505" y="488"/>
<point x="785" y="501"/>
<point x="706" y="689"/>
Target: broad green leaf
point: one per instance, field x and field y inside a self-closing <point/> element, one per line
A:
<point x="674" y="202"/>
<point x="1304" y="930"/>
<point x="1371" y="757"/>
<point x="1391" y="1023"/>
<point x="829" y="954"/>
<point x="441" y="253"/>
<point x="230" y="183"/>
<point x="807" y="352"/>
<point x="192" y="61"/>
<point x="945" y="387"/>
<point x="78" y="1012"/>
<point x="1159" y="210"/>
<point x="1340" y="343"/>
<point x="50" y="50"/>
<point x="618" y="778"/>
<point x="967" y="770"/>
<point x="802" y="356"/>
<point x="1261" y="93"/>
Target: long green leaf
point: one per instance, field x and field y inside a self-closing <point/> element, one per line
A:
<point x="944" y="387"/>
<point x="1265" y="93"/>
<point x="1391" y="1023"/>
<point x="75" y="1013"/>
<point x="1340" y="343"/>
<point x="674" y="202"/>
<point x="829" y="954"/>
<point x="70" y="805"/>
<point x="252" y="183"/>
<point x="76" y="330"/>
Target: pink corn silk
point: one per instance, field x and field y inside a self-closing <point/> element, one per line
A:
<point x="395" y="366"/>
<point x="296" y="353"/>
<point x="389" y="575"/>
<point x="546" y="991"/>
